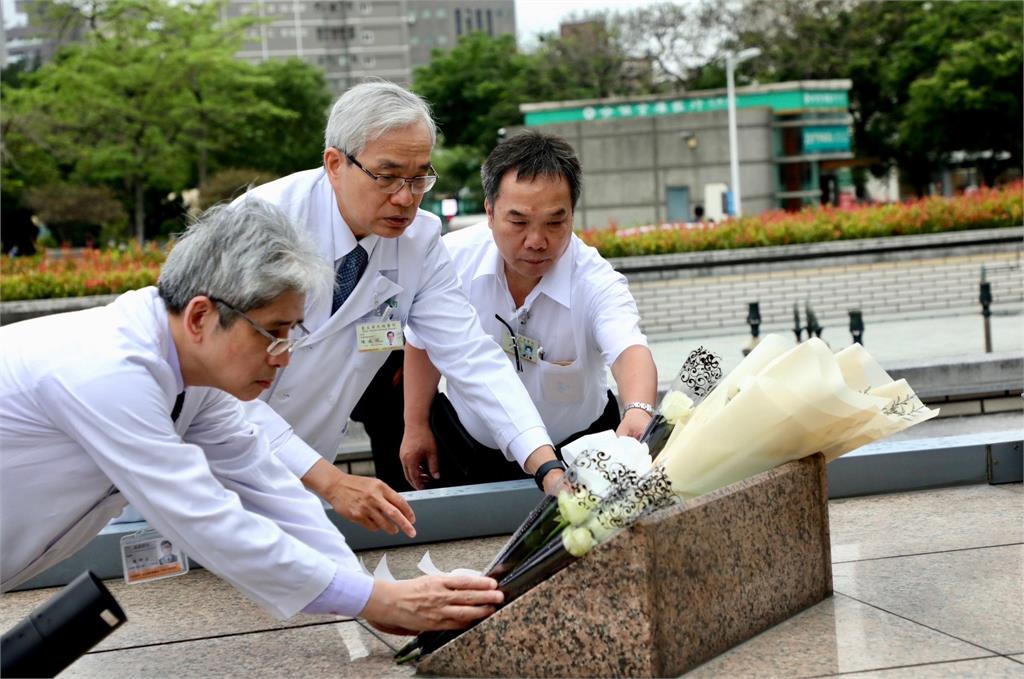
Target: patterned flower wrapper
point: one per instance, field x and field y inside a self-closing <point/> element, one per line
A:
<point x="696" y="378"/>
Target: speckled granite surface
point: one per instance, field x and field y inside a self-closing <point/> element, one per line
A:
<point x="668" y="594"/>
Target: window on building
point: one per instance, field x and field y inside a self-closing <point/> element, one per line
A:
<point x="369" y="61"/>
<point x="490" y="23"/>
<point x="412" y="16"/>
<point x="367" y="37"/>
<point x="343" y="60"/>
<point x="440" y="13"/>
<point x="458" y="21"/>
<point x="414" y="40"/>
<point x="364" y="7"/>
<point x="479" y="20"/>
<point x="442" y="40"/>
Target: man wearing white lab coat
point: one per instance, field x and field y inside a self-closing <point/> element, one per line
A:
<point x="137" y="402"/>
<point x="364" y="201"/>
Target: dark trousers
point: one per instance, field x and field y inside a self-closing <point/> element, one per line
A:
<point x="380" y="411"/>
<point x="464" y="460"/>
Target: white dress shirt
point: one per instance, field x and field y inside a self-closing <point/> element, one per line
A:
<point x="85" y="420"/>
<point x="581" y="313"/>
<point x="311" y="400"/>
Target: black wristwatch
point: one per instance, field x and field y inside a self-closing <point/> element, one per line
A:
<point x="543" y="470"/>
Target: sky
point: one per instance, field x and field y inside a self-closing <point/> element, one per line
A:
<point x="540" y="16"/>
<point x="532" y="16"/>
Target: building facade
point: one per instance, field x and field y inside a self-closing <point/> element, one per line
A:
<point x="352" y="40"/>
<point x="649" y="160"/>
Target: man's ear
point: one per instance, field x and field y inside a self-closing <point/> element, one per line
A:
<point x="334" y="160"/>
<point x="489" y="209"/>
<point x="199" y="314"/>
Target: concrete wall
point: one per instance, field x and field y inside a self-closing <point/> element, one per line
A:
<point x="628" y="164"/>
<point x="696" y="294"/>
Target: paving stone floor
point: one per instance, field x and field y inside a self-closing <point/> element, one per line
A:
<point x="927" y="584"/>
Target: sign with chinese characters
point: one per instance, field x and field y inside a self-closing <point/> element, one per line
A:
<point x="793" y="100"/>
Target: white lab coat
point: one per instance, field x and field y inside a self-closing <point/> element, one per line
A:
<point x="327" y="375"/>
<point x="85" y="403"/>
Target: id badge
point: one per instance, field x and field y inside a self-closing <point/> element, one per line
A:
<point x="380" y="336"/>
<point x="529" y="348"/>
<point x="146" y="555"/>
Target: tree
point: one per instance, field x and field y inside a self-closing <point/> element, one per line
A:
<point x="291" y="137"/>
<point x="929" y="78"/>
<point x="144" y="100"/>
<point x="477" y="87"/>
<point x="78" y="214"/>
<point x="589" y="60"/>
<point x="683" y="41"/>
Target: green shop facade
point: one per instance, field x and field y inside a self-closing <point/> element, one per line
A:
<point x="656" y="159"/>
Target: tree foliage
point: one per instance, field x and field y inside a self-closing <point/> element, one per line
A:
<point x="930" y="79"/>
<point x="152" y="99"/>
<point x="477" y="87"/>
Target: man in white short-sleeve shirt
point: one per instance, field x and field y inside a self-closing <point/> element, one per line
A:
<point x="557" y="308"/>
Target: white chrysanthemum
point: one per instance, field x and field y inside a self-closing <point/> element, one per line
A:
<point x="676" y="407"/>
<point x="577" y="541"/>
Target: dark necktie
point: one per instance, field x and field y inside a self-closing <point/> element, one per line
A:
<point x="350" y="269"/>
<point x="178" y="402"/>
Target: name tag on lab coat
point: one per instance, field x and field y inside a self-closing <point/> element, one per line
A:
<point x="379" y="336"/>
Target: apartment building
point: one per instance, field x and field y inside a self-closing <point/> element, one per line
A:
<point x="352" y="40"/>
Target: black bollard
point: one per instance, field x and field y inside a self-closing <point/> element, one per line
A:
<point x="61" y="630"/>
<point x="754" y="321"/>
<point x="857" y="326"/>
<point x="814" y="329"/>
<point x="986" y="313"/>
<point x="754" y="318"/>
<point x="797" y="328"/>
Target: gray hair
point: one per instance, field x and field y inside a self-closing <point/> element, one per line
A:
<point x="531" y="154"/>
<point x="372" y="109"/>
<point x="246" y="254"/>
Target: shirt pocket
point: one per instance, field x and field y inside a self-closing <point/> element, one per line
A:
<point x="561" y="383"/>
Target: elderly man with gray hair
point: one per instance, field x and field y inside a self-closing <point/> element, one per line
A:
<point x="137" y="402"/>
<point x="362" y="209"/>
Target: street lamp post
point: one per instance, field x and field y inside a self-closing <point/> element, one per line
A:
<point x="733" y="59"/>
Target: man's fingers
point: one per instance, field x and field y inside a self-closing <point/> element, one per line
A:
<point x="433" y="465"/>
<point x="399" y="502"/>
<point x="411" y="467"/>
<point x="396" y="519"/>
<point x="468" y="582"/>
<point x="456" y="617"/>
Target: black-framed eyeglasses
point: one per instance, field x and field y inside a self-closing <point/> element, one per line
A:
<point x="278" y="345"/>
<point x="392" y="184"/>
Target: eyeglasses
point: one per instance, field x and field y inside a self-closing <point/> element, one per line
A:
<point x="278" y="345"/>
<point x="392" y="184"/>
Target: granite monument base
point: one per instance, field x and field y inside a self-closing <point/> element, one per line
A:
<point x="669" y="593"/>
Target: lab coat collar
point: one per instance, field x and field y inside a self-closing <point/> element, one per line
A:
<point x="345" y="240"/>
<point x="163" y="324"/>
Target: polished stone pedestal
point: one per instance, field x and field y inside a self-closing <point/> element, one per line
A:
<point x="673" y="591"/>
